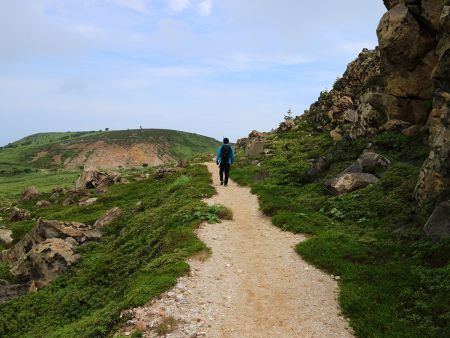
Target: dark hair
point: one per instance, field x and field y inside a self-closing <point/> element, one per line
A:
<point x="226" y="140"/>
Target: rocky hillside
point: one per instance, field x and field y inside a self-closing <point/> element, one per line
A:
<point x="108" y="150"/>
<point x="404" y="84"/>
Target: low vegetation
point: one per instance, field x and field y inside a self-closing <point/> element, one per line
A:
<point x="141" y="255"/>
<point x="394" y="282"/>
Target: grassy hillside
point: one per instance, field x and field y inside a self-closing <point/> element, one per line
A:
<point x="141" y="255"/>
<point x="38" y="151"/>
<point x="393" y="281"/>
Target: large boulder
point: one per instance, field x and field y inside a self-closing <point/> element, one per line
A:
<point x="93" y="178"/>
<point x="255" y="148"/>
<point x="47" y="229"/>
<point x="438" y="225"/>
<point x="18" y="215"/>
<point x="30" y="193"/>
<point x="367" y="162"/>
<point x="11" y="291"/>
<point x="46" y="261"/>
<point x="349" y="182"/>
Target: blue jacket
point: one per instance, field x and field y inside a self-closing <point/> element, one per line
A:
<point x="218" y="159"/>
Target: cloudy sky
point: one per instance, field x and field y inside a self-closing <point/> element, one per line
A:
<point x="215" y="67"/>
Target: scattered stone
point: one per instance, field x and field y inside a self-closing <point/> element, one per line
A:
<point x="85" y="202"/>
<point x="6" y="236"/>
<point x="43" y="204"/>
<point x="438" y="225"/>
<point x="11" y="291"/>
<point x="30" y="193"/>
<point x="58" y="190"/>
<point x="318" y="166"/>
<point x="18" y="215"/>
<point x="68" y="201"/>
<point x="108" y="217"/>
<point x="164" y="172"/>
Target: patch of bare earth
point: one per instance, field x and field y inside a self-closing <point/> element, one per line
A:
<point x="252" y="285"/>
<point x="106" y="155"/>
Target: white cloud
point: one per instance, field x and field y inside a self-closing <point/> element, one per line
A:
<point x="136" y="5"/>
<point x="179" y="5"/>
<point x="205" y="7"/>
<point x="90" y="32"/>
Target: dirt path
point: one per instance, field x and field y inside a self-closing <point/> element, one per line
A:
<point x="253" y="285"/>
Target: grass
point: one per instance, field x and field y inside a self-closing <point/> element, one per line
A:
<point x="141" y="255"/>
<point x="394" y="281"/>
<point x="44" y="181"/>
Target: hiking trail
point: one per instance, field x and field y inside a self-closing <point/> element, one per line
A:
<point x="253" y="285"/>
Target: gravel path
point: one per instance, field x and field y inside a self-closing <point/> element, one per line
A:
<point x="253" y="284"/>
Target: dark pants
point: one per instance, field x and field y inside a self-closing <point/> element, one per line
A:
<point x="224" y="168"/>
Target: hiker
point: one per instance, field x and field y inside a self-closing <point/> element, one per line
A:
<point x="224" y="159"/>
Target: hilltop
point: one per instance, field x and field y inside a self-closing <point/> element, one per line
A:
<point x="103" y="149"/>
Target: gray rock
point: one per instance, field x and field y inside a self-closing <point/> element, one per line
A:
<point x="5" y="236"/>
<point x="438" y="225"/>
<point x="30" y="193"/>
<point x="108" y="217"/>
<point x="349" y="182"/>
<point x="18" y="215"/>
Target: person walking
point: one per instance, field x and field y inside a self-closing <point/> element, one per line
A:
<point x="224" y="159"/>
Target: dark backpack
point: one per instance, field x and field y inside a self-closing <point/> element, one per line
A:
<point x="225" y="153"/>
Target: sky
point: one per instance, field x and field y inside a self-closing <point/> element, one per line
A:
<point x="213" y="67"/>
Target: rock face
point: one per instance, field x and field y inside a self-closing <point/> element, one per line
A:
<point x="18" y="215"/>
<point x="255" y="143"/>
<point x="349" y="182"/>
<point x="438" y="225"/>
<point x="92" y="178"/>
<point x="47" y="250"/>
<point x="402" y="85"/>
<point x="30" y="193"/>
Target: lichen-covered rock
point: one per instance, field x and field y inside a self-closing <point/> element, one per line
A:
<point x="45" y="261"/>
<point x="255" y="148"/>
<point x="30" y="193"/>
<point x="47" y="229"/>
<point x="93" y="178"/>
<point x="47" y="250"/>
<point x="397" y="125"/>
<point x="349" y="182"/>
<point x="18" y="215"/>
<point x="438" y="225"/>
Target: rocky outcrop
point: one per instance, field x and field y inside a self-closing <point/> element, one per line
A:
<point x="434" y="177"/>
<point x="18" y="215"/>
<point x="47" y="250"/>
<point x="100" y="180"/>
<point x="30" y="193"/>
<point x="164" y="172"/>
<point x="438" y="225"/>
<point x="43" y="204"/>
<point x="255" y="143"/>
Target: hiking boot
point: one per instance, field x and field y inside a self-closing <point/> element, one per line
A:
<point x="225" y="185"/>
<point x="221" y="183"/>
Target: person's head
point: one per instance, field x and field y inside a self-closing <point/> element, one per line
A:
<point x="226" y="141"/>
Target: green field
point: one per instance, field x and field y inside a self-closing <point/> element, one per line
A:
<point x="394" y="281"/>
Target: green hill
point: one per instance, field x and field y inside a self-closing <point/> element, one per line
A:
<point x="72" y="150"/>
